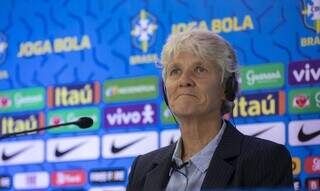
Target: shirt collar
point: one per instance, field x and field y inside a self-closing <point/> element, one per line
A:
<point x="201" y="159"/>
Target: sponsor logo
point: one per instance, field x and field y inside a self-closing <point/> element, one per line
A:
<point x="60" y="153"/>
<point x="312" y="165"/>
<point x="262" y="76"/>
<point x="270" y="131"/>
<point x="116" y="149"/>
<point x="296" y="184"/>
<point x="31" y="180"/>
<point x="306" y="100"/>
<point x="143" y="36"/>
<point x="5" y="182"/>
<point x="144" y="27"/>
<point x="20" y="123"/>
<point x="311" y="19"/>
<point x="168" y="137"/>
<point x="68" y="178"/>
<point x="313" y="183"/>
<point x="66" y="115"/>
<point x="73" y="149"/>
<point x="304" y="137"/>
<point x="5" y="156"/>
<point x="22" y="100"/>
<point x="58" y="45"/>
<point x="296" y="165"/>
<point x="102" y="176"/>
<point x="223" y="25"/>
<point x="166" y="115"/>
<point x="3" y="47"/>
<point x="311" y="14"/>
<point x="131" y="89"/>
<point x="304" y="72"/>
<point x="300" y="101"/>
<point x="21" y="152"/>
<point x="132" y="115"/>
<point x="304" y="132"/>
<point x="263" y="104"/>
<point x="129" y="144"/>
<point x="74" y="95"/>
<point x="109" y="188"/>
<point x="310" y="41"/>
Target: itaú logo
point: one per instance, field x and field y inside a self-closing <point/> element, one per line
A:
<point x="263" y="104"/>
<point x="133" y="115"/>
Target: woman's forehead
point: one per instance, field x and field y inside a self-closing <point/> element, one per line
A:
<point x="190" y="57"/>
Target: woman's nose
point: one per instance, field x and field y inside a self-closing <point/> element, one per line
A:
<point x="186" y="80"/>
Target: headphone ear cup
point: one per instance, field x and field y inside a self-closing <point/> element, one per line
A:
<point x="231" y="88"/>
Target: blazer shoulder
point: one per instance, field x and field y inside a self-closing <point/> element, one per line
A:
<point x="270" y="163"/>
<point x="158" y="155"/>
<point x="145" y="163"/>
<point x="262" y="147"/>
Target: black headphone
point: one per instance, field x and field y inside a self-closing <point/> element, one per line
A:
<point x="231" y="87"/>
<point x="230" y="91"/>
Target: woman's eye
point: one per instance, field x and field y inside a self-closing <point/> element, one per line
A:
<point x="200" y="69"/>
<point x="174" y="71"/>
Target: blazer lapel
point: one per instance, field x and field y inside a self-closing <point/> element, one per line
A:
<point x="220" y="169"/>
<point x="158" y="177"/>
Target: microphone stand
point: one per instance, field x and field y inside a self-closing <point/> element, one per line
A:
<point x="37" y="130"/>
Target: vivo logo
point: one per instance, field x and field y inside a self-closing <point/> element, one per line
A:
<point x="133" y="115"/>
<point x="304" y="72"/>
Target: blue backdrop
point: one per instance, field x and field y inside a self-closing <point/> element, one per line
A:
<point x="60" y="60"/>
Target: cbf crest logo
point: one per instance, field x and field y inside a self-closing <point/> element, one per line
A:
<point x="311" y="13"/>
<point x="3" y="48"/>
<point x="144" y="29"/>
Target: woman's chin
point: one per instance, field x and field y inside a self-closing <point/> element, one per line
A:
<point x="185" y="112"/>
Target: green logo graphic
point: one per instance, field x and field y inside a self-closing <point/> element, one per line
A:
<point x="68" y="115"/>
<point x="141" y="88"/>
<point x="22" y="100"/>
<point x="262" y="76"/>
<point x="166" y="115"/>
<point x="306" y="100"/>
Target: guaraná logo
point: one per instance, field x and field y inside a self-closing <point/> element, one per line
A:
<point x="143" y="32"/>
<point x="311" y="14"/>
<point x="262" y="76"/>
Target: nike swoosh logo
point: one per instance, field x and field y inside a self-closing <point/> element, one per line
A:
<point x="262" y="131"/>
<point x="6" y="157"/>
<point x="307" y="137"/>
<point x="115" y="149"/>
<point x="58" y="153"/>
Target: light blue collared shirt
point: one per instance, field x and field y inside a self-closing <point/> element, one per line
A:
<point x="191" y="176"/>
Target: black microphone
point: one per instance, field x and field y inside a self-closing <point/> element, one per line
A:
<point x="82" y="122"/>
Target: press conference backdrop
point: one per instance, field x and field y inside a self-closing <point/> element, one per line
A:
<point x="60" y="60"/>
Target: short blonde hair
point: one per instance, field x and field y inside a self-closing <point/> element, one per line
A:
<point x="207" y="45"/>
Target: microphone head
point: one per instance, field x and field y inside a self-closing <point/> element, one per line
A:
<point x="84" y="122"/>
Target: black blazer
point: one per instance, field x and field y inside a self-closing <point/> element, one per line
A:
<point x="239" y="161"/>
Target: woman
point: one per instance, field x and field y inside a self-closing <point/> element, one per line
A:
<point x="200" y="83"/>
